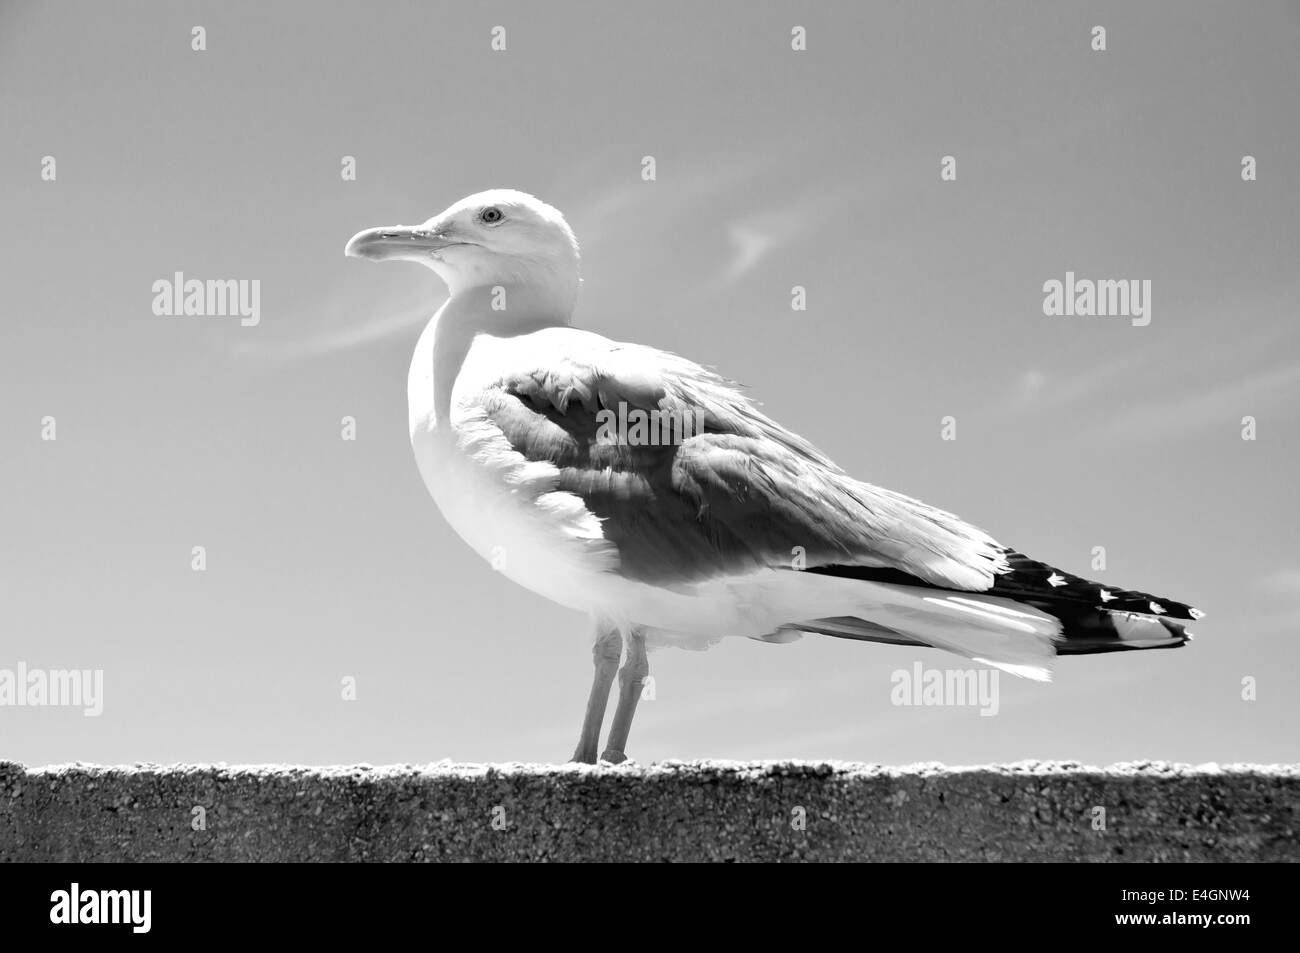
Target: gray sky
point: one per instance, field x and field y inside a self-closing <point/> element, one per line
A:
<point x="326" y="558"/>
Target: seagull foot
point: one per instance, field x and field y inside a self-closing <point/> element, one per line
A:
<point x="613" y="757"/>
<point x="583" y="757"/>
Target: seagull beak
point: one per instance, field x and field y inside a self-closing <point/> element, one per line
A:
<point x="397" y="242"/>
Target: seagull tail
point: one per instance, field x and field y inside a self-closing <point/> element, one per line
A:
<point x="1095" y="617"/>
<point x="1032" y="613"/>
<point x="994" y="631"/>
<point x="1088" y="631"/>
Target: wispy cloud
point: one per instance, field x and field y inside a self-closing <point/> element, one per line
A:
<point x="1213" y="386"/>
<point x="1217" y="405"/>
<point x="342" y="320"/>
<point x="750" y="245"/>
<point x="1284" y="581"/>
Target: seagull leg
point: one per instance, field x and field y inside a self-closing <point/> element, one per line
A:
<point x="630" y="678"/>
<point x="604" y="654"/>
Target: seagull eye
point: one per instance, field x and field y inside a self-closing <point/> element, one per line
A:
<point x="491" y="215"/>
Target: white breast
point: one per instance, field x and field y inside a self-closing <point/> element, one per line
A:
<point x="505" y="507"/>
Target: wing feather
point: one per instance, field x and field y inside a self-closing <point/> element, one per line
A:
<point x="740" y="495"/>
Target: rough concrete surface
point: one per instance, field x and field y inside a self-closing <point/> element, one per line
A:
<point x="702" y="811"/>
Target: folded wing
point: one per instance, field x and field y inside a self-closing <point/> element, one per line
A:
<point x="738" y="494"/>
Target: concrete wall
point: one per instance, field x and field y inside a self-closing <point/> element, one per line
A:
<point x="673" y="811"/>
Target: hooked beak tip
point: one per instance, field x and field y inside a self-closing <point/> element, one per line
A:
<point x="394" y="241"/>
<point x="370" y="244"/>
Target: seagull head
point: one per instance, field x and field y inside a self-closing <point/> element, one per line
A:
<point x="501" y="237"/>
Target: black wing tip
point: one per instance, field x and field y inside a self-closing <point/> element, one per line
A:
<point x="1040" y="580"/>
<point x="1039" y="584"/>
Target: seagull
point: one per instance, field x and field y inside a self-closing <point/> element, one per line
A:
<point x="650" y="493"/>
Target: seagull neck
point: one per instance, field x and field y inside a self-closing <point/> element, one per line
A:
<point x="499" y="310"/>
<point x="498" y="307"/>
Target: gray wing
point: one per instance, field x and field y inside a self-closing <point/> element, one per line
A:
<point x="738" y="495"/>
